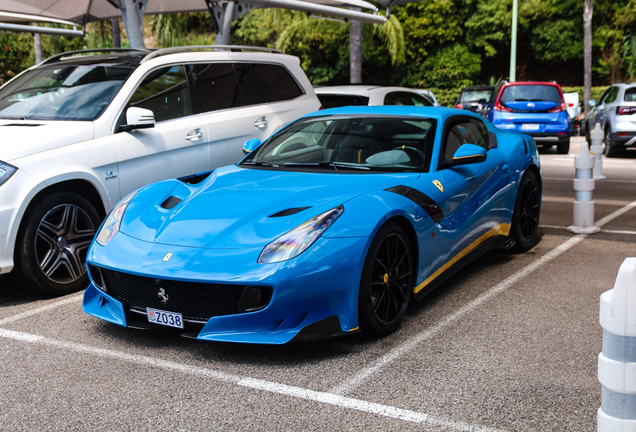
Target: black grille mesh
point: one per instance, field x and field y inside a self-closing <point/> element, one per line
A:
<point x="193" y="300"/>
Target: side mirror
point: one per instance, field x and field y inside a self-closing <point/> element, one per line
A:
<point x="468" y="154"/>
<point x="138" y="118"/>
<point x="592" y="103"/>
<point x="251" y="145"/>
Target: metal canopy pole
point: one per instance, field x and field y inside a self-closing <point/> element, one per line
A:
<point x="513" y="44"/>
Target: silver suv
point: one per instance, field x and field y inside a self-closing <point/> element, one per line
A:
<point x="616" y="112"/>
<point x="79" y="133"/>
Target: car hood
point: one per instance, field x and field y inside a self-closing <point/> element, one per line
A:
<point x="239" y="207"/>
<point x="20" y="138"/>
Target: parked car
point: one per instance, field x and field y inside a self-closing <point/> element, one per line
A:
<point x="616" y="113"/>
<point x="429" y="95"/>
<point x="475" y="98"/>
<point x="331" y="226"/>
<point x="534" y="108"/>
<point x="574" y="111"/>
<point x="79" y="133"/>
<point x="362" y="94"/>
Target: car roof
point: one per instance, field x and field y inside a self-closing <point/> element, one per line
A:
<point x="131" y="59"/>
<point x="438" y="113"/>
<point x="357" y="89"/>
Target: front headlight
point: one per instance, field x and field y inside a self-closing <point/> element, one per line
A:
<point x="6" y="171"/>
<point x="296" y="241"/>
<point x="111" y="226"/>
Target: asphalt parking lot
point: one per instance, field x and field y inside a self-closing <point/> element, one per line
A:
<point x="509" y="344"/>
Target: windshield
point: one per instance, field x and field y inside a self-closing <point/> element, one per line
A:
<point x="349" y="143"/>
<point x="481" y="96"/>
<point x="62" y="92"/>
<point x="534" y="93"/>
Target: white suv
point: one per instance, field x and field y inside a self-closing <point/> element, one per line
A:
<point x="616" y="113"/>
<point x="77" y="134"/>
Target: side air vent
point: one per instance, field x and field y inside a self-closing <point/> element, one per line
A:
<point x="421" y="199"/>
<point x="171" y="202"/>
<point x="289" y="211"/>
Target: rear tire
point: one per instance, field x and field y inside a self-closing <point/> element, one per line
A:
<point x="609" y="149"/>
<point x="525" y="216"/>
<point x="386" y="286"/>
<point x="53" y="240"/>
<point x="563" y="147"/>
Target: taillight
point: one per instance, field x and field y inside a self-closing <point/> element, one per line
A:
<point x="622" y="134"/>
<point x="500" y="107"/>
<point x="625" y="110"/>
<point x="559" y="108"/>
<point x="571" y="105"/>
<point x="460" y="106"/>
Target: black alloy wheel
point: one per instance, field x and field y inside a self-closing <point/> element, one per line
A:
<point x="525" y="217"/>
<point x="386" y="285"/>
<point x="54" y="240"/>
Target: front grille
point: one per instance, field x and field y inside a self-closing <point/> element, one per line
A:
<point x="195" y="301"/>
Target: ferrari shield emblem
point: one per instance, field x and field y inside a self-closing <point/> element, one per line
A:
<point x="167" y="257"/>
<point x="439" y="185"/>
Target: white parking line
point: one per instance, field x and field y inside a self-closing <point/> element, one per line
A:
<point x="365" y="373"/>
<point x="605" y="231"/>
<point x="66" y="300"/>
<point x="271" y="387"/>
<point x="601" y="181"/>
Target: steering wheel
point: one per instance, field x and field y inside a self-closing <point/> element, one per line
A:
<point x="413" y="150"/>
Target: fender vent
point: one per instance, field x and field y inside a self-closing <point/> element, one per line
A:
<point x="289" y="211"/>
<point x="171" y="202"/>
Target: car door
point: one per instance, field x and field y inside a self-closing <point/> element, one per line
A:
<point x="176" y="146"/>
<point x="476" y="197"/>
<point x="603" y="107"/>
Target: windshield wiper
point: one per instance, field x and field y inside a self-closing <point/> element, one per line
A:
<point x="334" y="165"/>
<point x="265" y="164"/>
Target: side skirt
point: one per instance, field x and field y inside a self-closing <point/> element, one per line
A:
<point x="496" y="242"/>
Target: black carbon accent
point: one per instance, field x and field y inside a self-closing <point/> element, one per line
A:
<point x="322" y="329"/>
<point x="171" y="202"/>
<point x="421" y="199"/>
<point x="195" y="301"/>
<point x="289" y="211"/>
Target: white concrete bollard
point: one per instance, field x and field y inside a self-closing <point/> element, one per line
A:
<point x="596" y="147"/>
<point x="617" y="362"/>
<point x="583" y="186"/>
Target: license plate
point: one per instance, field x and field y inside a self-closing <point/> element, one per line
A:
<point x="530" y="126"/>
<point x="169" y="319"/>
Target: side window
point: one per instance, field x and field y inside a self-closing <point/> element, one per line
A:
<point x="613" y="95"/>
<point x="606" y="96"/>
<point x="165" y="92"/>
<point x="465" y="131"/>
<point x="214" y="87"/>
<point x="276" y="84"/>
<point x="405" y="98"/>
<point x="249" y="85"/>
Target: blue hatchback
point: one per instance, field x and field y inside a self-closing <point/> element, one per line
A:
<point x="534" y="108"/>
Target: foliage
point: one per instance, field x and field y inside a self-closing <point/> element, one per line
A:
<point x="629" y="55"/>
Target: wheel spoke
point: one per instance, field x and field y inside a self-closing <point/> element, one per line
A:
<point x="399" y="289"/>
<point x="51" y="262"/>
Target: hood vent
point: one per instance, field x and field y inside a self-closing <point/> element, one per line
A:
<point x="171" y="202"/>
<point x="289" y="211"/>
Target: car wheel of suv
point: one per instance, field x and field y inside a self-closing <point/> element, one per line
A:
<point x="525" y="216"/>
<point x="610" y="149"/>
<point x="563" y="147"/>
<point x="53" y="241"/>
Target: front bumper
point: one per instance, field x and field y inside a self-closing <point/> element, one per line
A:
<point x="313" y="296"/>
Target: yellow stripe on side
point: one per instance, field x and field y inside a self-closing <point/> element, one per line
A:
<point x="501" y="229"/>
<point x="354" y="329"/>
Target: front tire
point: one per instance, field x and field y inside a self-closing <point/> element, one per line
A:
<point x="386" y="286"/>
<point x="52" y="244"/>
<point x="525" y="216"/>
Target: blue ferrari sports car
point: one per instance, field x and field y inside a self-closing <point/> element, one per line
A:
<point x="331" y="226"/>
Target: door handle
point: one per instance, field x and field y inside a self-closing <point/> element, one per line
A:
<point x="261" y="122"/>
<point x="194" y="135"/>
